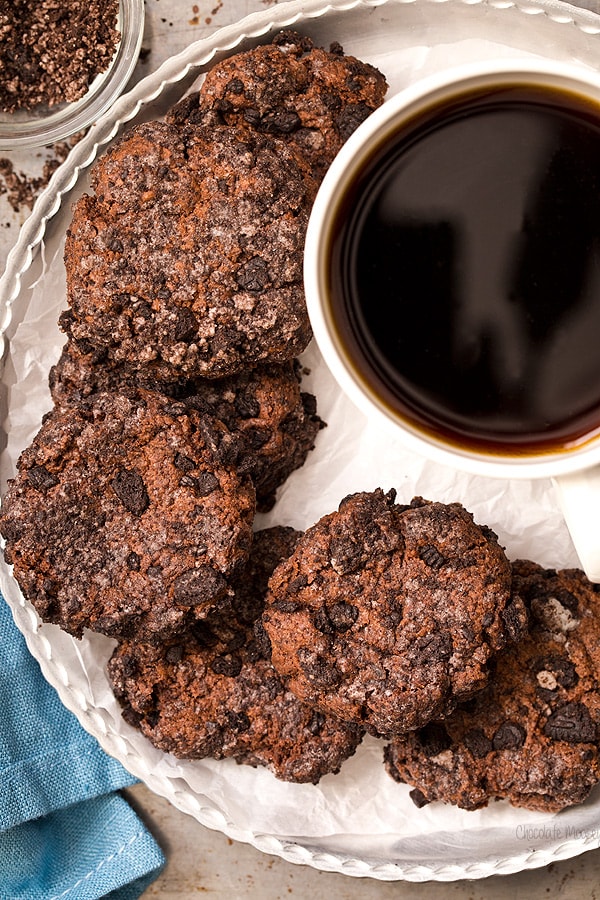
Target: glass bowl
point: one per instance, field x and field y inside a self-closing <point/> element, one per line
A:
<point x="43" y="125"/>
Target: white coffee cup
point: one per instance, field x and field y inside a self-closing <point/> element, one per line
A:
<point x="574" y="469"/>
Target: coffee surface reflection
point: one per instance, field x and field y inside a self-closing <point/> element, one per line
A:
<point x="465" y="270"/>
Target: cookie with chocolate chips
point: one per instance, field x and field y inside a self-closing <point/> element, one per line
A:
<point x="532" y="736"/>
<point x="387" y="615"/>
<point x="189" y="254"/>
<point x="305" y="95"/>
<point x="82" y="370"/>
<point x="272" y="421"/>
<point x="212" y="692"/>
<point x="122" y="520"/>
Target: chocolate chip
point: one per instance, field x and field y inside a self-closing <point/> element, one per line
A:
<point x="229" y="665"/>
<point x="434" y="739"/>
<point x="183" y="463"/>
<point x="257" y="437"/>
<point x="509" y="736"/>
<point x="129" y="666"/>
<point x="131" y="491"/>
<point x="432" y="557"/>
<point x="514" y="620"/>
<point x="206" y="483"/>
<point x="252" y="117"/>
<point x="296" y="584"/>
<point x="254" y="276"/>
<point x="418" y="798"/>
<point x="133" y="562"/>
<point x="317" y="669"/>
<point x="571" y="722"/>
<point x="246" y="407"/>
<point x="286" y="606"/>
<point x="339" y="617"/>
<point x="235" y="86"/>
<point x="568" y="600"/>
<point x="198" y="587"/>
<point x="342" y="616"/>
<point x="280" y="121"/>
<point x="322" y="622"/>
<point x="238" y="721"/>
<point x="315" y="726"/>
<point x="393" y="618"/>
<point x="40" y="478"/>
<point x="185" y="327"/>
<point x="477" y="743"/>
<point x="132" y="717"/>
<point x="432" y="648"/>
<point x="345" y="554"/>
<point x="174" y="654"/>
<point x="263" y="642"/>
<point x="350" y="118"/>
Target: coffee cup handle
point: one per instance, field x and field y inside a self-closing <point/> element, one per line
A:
<point x="579" y="498"/>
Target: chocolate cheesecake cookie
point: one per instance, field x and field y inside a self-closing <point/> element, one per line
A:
<point x="388" y="615"/>
<point x="212" y="693"/>
<point x="189" y="255"/>
<point x="308" y="96"/>
<point x="532" y="735"/>
<point x="122" y="520"/>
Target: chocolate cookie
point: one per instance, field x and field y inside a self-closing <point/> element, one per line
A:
<point x="189" y="256"/>
<point x="387" y="615"/>
<point x="122" y="520"/>
<point x="273" y="422"/>
<point x="212" y="693"/>
<point x="308" y="96"/>
<point x="83" y="370"/>
<point x="532" y="735"/>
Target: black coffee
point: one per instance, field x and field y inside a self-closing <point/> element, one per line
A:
<point x="465" y="273"/>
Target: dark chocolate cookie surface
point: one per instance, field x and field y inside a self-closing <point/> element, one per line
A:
<point x="308" y="96"/>
<point x="212" y="693"/>
<point x="189" y="256"/>
<point x="387" y="615"/>
<point x="532" y="735"/>
<point x="272" y="422"/>
<point x="122" y="520"/>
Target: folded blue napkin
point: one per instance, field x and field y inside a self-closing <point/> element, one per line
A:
<point x="65" y="831"/>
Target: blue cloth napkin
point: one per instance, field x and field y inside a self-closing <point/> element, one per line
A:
<point x="65" y="831"/>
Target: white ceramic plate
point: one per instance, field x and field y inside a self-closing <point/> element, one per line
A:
<point x="358" y="822"/>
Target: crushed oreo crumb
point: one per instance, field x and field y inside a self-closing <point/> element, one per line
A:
<point x="53" y="49"/>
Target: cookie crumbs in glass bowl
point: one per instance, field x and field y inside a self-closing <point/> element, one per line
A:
<point x="62" y="64"/>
